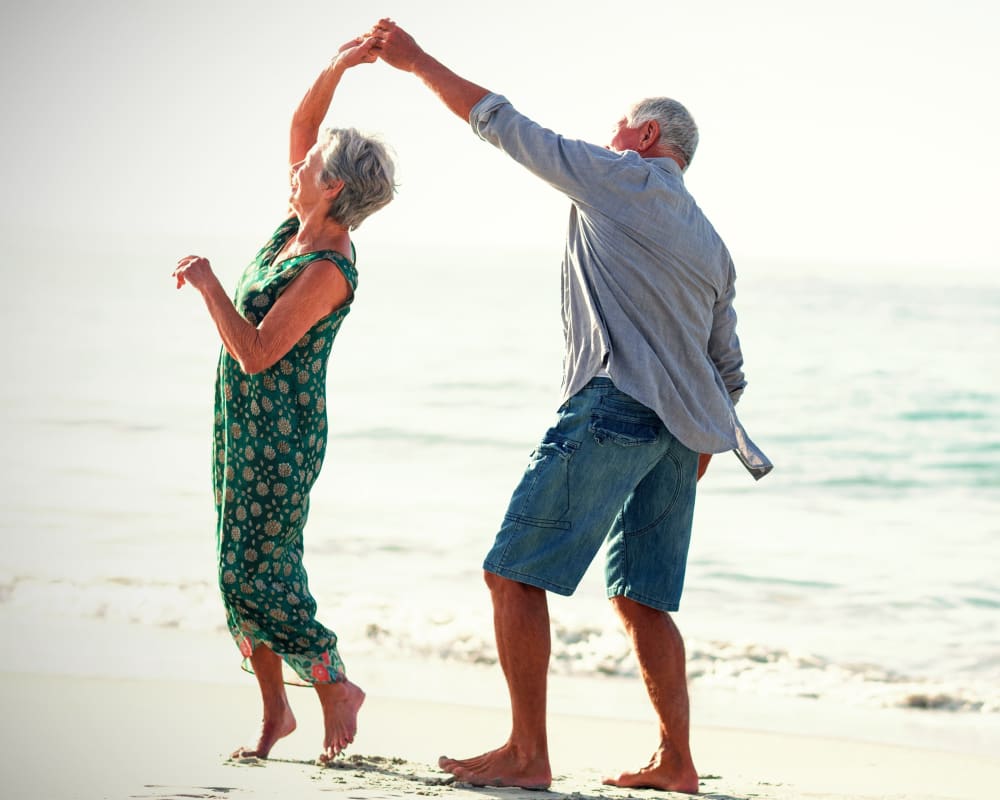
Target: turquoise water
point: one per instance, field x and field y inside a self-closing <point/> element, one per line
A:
<point x="863" y="570"/>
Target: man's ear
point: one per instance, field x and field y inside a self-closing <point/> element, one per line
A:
<point x="650" y="135"/>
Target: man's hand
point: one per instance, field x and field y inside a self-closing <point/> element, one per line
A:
<point x="703" y="459"/>
<point x="395" y="46"/>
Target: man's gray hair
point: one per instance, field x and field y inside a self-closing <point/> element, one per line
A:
<point x="677" y="129"/>
<point x="363" y="163"/>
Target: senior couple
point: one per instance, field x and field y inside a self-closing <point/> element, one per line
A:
<point x="652" y="372"/>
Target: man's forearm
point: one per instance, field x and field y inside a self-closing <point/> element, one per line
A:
<point x="459" y="94"/>
<point x="397" y="48"/>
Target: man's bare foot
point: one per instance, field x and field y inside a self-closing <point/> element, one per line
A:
<point x="505" y="766"/>
<point x="341" y="702"/>
<point x="663" y="773"/>
<point x="271" y="730"/>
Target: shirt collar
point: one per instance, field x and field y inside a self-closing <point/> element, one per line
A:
<point x="668" y="164"/>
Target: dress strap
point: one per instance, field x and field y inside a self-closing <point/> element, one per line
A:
<point x="344" y="264"/>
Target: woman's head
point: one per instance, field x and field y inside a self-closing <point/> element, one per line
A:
<point x="364" y="165"/>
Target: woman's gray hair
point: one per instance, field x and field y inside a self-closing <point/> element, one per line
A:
<point x="363" y="163"/>
<point x="677" y="129"/>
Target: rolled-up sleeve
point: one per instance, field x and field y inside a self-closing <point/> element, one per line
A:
<point x="572" y="166"/>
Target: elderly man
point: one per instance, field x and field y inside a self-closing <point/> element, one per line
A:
<point x="652" y="370"/>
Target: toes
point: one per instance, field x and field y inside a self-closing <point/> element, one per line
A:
<point x="329" y="755"/>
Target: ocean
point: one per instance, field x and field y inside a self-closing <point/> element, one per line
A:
<point x="862" y="572"/>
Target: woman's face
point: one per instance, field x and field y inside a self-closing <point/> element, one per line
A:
<point x="306" y="188"/>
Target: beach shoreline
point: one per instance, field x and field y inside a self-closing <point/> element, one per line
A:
<point x="135" y="738"/>
<point x="139" y="712"/>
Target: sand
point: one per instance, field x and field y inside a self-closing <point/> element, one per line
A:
<point x="118" y="738"/>
<point x="99" y="733"/>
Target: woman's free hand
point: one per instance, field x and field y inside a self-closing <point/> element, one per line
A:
<point x="194" y="271"/>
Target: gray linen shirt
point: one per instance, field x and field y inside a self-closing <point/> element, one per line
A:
<point x="647" y="283"/>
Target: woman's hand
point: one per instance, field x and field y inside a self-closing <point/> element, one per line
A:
<point x="314" y="106"/>
<point x="356" y="51"/>
<point x="195" y="271"/>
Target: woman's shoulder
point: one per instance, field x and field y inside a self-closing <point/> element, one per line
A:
<point x="335" y="260"/>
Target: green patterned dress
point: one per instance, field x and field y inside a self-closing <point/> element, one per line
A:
<point x="270" y="438"/>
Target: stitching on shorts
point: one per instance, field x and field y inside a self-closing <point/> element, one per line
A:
<point x="539" y="523"/>
<point x="666" y="511"/>
<point x="652" y="602"/>
<point x="532" y="580"/>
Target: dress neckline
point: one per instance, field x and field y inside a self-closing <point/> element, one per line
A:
<point x="289" y="229"/>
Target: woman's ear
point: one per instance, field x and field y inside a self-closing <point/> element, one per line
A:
<point x="333" y="189"/>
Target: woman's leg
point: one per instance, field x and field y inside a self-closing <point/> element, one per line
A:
<point x="341" y="702"/>
<point x="278" y="719"/>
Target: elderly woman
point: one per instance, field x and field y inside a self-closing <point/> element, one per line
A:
<point x="270" y="412"/>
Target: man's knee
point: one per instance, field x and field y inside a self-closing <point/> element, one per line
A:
<point x="628" y="608"/>
<point x="499" y="585"/>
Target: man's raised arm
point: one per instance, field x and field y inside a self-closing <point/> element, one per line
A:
<point x="398" y="49"/>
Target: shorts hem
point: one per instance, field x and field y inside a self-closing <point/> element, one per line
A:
<point x="530" y="580"/>
<point x="642" y="599"/>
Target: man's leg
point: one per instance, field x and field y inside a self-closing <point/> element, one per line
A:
<point x="584" y="468"/>
<point x="660" y="650"/>
<point x="521" y="624"/>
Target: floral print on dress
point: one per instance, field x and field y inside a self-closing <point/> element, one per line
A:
<point x="269" y="444"/>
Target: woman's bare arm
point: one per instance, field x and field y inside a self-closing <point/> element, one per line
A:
<point x="316" y="293"/>
<point x="313" y="107"/>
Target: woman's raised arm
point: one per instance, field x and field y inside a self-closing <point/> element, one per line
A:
<point x="315" y="104"/>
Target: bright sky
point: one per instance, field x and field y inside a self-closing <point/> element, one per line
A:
<point x="857" y="133"/>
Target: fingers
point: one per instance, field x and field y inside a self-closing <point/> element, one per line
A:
<point x="193" y="264"/>
<point x="381" y="29"/>
<point x="359" y="50"/>
<point x="178" y="272"/>
<point x="367" y="47"/>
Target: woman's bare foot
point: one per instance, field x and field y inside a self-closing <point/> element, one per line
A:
<point x="271" y="730"/>
<point x="660" y="773"/>
<point x="505" y="766"/>
<point x="341" y="702"/>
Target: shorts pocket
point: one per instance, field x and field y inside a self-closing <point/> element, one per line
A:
<point x="554" y="444"/>
<point x="624" y="421"/>
<point x="542" y="498"/>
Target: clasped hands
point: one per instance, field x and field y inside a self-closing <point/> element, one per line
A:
<point x="385" y="41"/>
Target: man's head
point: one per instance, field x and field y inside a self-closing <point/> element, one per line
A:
<point x="655" y="127"/>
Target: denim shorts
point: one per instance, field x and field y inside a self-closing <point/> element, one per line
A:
<point x="608" y="470"/>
